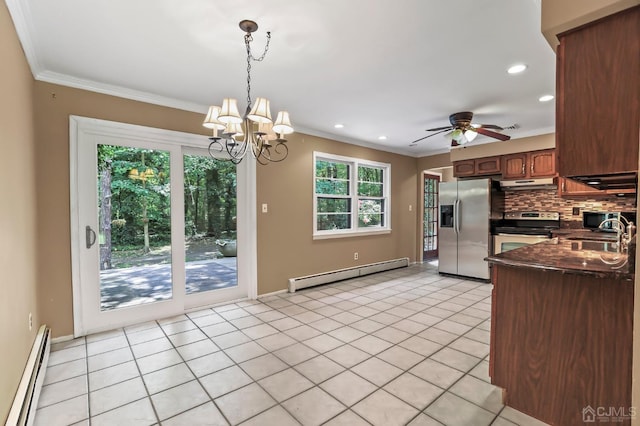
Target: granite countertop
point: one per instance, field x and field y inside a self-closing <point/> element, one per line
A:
<point x="587" y="257"/>
<point x="585" y="234"/>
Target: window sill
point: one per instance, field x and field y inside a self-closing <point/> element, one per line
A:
<point x="352" y="234"/>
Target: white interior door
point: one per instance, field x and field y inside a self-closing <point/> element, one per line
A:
<point x="144" y="243"/>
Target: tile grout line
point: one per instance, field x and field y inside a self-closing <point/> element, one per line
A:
<point x="86" y="352"/>
<point x="135" y="360"/>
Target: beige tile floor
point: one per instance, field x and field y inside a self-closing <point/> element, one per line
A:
<point x="401" y="347"/>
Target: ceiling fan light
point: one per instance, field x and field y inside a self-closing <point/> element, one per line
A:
<point x="456" y="135"/>
<point x="260" y="112"/>
<point x="229" y="111"/>
<point x="211" y="120"/>
<point x="282" y="124"/>
<point x="470" y="135"/>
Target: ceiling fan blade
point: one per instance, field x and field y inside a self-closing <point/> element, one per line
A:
<point x="428" y="136"/>
<point x="489" y="126"/>
<point x="492" y="134"/>
<point x="440" y="128"/>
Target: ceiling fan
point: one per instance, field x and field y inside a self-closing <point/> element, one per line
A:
<point x="462" y="131"/>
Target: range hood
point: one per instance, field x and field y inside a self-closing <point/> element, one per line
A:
<point x="617" y="181"/>
<point x="523" y="184"/>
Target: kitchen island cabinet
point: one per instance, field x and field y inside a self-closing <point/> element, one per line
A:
<point x="561" y="330"/>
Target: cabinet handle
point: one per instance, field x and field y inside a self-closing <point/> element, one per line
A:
<point x="532" y="167"/>
<point x="564" y="188"/>
<point x="523" y="165"/>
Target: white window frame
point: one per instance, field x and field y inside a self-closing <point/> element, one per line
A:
<point x="355" y="230"/>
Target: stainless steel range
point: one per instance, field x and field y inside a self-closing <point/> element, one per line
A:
<point x="519" y="229"/>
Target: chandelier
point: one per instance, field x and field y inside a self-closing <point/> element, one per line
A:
<point x="235" y="136"/>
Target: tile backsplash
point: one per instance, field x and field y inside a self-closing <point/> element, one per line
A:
<point x="548" y="200"/>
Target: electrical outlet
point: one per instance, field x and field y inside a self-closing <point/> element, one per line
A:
<point x="576" y="211"/>
<point x="355" y="256"/>
<point x="265" y="209"/>
<point x="30" y="321"/>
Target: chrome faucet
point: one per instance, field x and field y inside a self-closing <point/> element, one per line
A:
<point x="625" y="230"/>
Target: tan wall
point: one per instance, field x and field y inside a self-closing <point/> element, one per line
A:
<point x="512" y="146"/>
<point x="53" y="105"/>
<point x="17" y="214"/>
<point x="559" y="16"/>
<point x="434" y="161"/>
<point x="286" y="248"/>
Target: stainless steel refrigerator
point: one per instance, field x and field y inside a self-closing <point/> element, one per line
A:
<point x="466" y="208"/>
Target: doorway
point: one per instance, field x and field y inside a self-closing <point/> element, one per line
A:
<point x="430" y="217"/>
<point x="155" y="225"/>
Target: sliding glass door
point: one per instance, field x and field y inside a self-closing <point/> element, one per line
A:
<point x="155" y="226"/>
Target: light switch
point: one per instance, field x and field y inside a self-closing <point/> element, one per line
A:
<point x="264" y="208"/>
<point x="410" y="207"/>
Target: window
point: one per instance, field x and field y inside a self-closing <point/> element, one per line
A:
<point x="351" y="196"/>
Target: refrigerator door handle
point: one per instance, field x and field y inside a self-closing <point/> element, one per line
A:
<point x="456" y="216"/>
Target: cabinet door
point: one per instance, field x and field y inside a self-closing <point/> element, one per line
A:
<point x="542" y="163"/>
<point x="514" y="166"/>
<point x="598" y="83"/>
<point x="487" y="166"/>
<point x="464" y="168"/>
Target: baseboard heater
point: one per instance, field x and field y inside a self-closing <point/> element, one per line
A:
<point x="343" y="274"/>
<point x="25" y="403"/>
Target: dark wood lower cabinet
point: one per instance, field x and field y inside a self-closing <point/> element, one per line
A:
<point x="561" y="343"/>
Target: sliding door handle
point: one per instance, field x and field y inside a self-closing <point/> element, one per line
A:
<point x="90" y="236"/>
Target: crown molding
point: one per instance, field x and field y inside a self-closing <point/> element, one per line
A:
<point x="352" y="141"/>
<point x="23" y="22"/>
<point x="119" y="91"/>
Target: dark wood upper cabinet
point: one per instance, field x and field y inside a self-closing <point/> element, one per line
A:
<point x="598" y="96"/>
<point x="464" y="168"/>
<point x="487" y="166"/>
<point x="542" y="163"/>
<point x="511" y="166"/>
<point x="570" y="188"/>
<point x="514" y="166"/>
<point x="477" y="167"/>
<point x="529" y="164"/>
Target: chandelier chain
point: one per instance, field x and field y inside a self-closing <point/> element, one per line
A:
<point x="248" y="38"/>
<point x="265" y="147"/>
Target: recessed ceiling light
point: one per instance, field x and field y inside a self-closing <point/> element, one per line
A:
<point x="338" y="126"/>
<point x="382" y="138"/>
<point x="518" y="68"/>
<point x="545" y="98"/>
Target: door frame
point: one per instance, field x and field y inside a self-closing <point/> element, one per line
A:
<point x="83" y="128"/>
<point x="421" y="218"/>
<point x="438" y="177"/>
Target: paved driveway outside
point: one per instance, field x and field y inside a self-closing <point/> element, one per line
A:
<point x="145" y="284"/>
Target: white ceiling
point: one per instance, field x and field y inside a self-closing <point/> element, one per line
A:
<point x="380" y="67"/>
